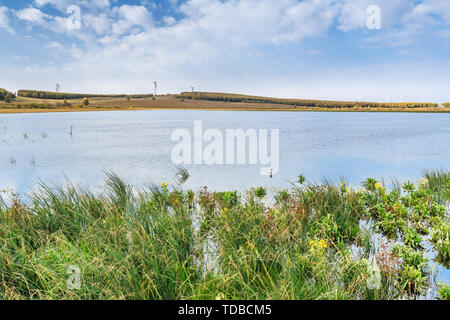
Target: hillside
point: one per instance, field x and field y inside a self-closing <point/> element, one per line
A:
<point x="45" y="101"/>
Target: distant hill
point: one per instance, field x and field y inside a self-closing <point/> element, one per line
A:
<point x="228" y="97"/>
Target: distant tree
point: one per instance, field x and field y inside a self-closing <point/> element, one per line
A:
<point x="8" y="98"/>
<point x="6" y="95"/>
<point x="85" y="102"/>
<point x="65" y="103"/>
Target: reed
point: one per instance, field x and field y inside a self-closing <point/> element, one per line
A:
<point x="159" y="242"/>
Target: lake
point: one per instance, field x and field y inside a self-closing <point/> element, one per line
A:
<point x="137" y="145"/>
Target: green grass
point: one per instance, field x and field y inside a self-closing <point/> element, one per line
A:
<point x="439" y="183"/>
<point x="159" y="242"/>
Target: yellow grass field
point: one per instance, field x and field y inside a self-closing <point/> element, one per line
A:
<point x="177" y="102"/>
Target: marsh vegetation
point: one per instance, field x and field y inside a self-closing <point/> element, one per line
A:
<point x="162" y="242"/>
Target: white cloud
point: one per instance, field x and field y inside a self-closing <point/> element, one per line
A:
<point x="4" y="19"/>
<point x="100" y="23"/>
<point x="54" y="45"/>
<point x="131" y="16"/>
<point x="125" y="49"/>
<point x="260" y="21"/>
<point x="169" y="20"/>
<point x="63" y="4"/>
<point x="438" y="7"/>
<point x="33" y="15"/>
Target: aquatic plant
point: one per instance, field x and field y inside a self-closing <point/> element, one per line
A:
<point x="443" y="291"/>
<point x="260" y="192"/>
<point x="438" y="181"/>
<point x="160" y="242"/>
<point x="441" y="239"/>
<point x="413" y="275"/>
<point x="412" y="238"/>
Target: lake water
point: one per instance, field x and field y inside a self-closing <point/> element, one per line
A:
<point x="137" y="145"/>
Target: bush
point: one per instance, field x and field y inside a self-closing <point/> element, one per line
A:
<point x="66" y="104"/>
<point x="8" y="98"/>
<point x="6" y="95"/>
<point x="85" y="102"/>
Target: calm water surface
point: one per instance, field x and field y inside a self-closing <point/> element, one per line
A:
<point x="137" y="146"/>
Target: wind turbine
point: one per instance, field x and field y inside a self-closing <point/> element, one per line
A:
<point x="155" y="87"/>
<point x="58" y="87"/>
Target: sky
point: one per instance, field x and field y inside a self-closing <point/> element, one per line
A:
<point x="365" y="50"/>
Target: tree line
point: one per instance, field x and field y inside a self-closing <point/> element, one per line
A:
<point x="64" y="95"/>
<point x="300" y="102"/>
<point x="5" y="95"/>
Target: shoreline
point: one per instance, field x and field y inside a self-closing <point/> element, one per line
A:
<point x="219" y="108"/>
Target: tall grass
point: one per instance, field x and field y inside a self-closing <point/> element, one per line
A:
<point x="126" y="247"/>
<point x="439" y="182"/>
<point x="164" y="243"/>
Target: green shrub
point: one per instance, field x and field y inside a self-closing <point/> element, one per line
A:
<point x="443" y="291"/>
<point x="6" y="95"/>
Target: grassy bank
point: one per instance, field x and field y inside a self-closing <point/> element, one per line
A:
<point x="160" y="242"/>
<point x="61" y="102"/>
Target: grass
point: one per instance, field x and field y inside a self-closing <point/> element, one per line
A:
<point x="213" y="96"/>
<point x="439" y="183"/>
<point x="202" y="101"/>
<point x="159" y="242"/>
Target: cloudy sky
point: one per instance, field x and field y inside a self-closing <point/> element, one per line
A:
<point x="321" y="49"/>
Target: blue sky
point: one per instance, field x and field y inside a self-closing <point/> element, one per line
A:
<point x="320" y="49"/>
